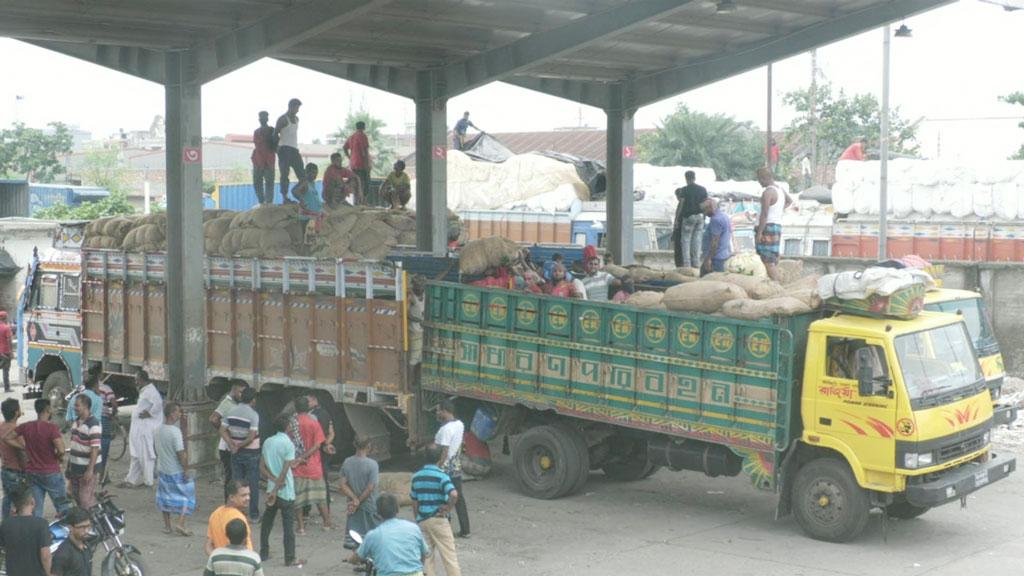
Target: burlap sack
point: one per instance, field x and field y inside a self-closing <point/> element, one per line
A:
<point x="677" y="278"/>
<point x="747" y="263"/>
<point x="215" y="214"/>
<point x="745" y="309"/>
<point x="691" y="272"/>
<point x="400" y="221"/>
<point x="479" y="255"/>
<point x="102" y="242"/>
<point x="643" y="274"/>
<point x="216" y="229"/>
<point x="407" y="238"/>
<point x="645" y="299"/>
<point x="615" y="270"/>
<point x="376" y="234"/>
<point x="116" y="228"/>
<point x="808" y="296"/>
<point x="789" y="271"/>
<point x="705" y="297"/>
<point x="150" y="236"/>
<point x="757" y="287"/>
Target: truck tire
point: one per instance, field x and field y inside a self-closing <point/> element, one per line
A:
<point x="579" y="441"/>
<point x="828" y="503"/>
<point x="546" y="462"/>
<point x="56" y="387"/>
<point x="904" y="510"/>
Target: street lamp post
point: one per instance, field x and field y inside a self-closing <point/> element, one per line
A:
<point x="883" y="177"/>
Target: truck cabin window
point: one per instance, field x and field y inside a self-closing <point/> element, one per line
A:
<point x="842" y="360"/>
<point x="47" y="291"/>
<point x="69" y="297"/>
<point x="938" y="365"/>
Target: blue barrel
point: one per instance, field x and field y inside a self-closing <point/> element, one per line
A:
<point x="485" y="423"/>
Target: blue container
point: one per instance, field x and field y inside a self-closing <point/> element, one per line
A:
<point x="241" y="197"/>
<point x="485" y="423"/>
<point x="46" y="195"/>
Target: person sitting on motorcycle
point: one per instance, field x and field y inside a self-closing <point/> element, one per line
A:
<point x="74" y="557"/>
<point x="396" y="546"/>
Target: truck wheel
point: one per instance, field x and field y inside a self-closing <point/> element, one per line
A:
<point x="904" y="510"/>
<point x="546" y="462"/>
<point x="828" y="503"/>
<point x="56" y="387"/>
<point x="579" y="441"/>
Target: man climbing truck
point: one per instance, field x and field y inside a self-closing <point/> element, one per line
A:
<point x="836" y="413"/>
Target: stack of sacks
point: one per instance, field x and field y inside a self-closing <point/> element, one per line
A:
<point x="646" y="299"/>
<point x="706" y="296"/>
<point x="149" y="234"/>
<point x="643" y="274"/>
<point x="108" y="233"/>
<point x="751" y="297"/>
<point x="214" y="230"/>
<point x="354" y="232"/>
<point x="267" y="231"/>
<point x="479" y="255"/>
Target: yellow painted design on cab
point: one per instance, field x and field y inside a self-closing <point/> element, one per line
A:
<point x="992" y="366"/>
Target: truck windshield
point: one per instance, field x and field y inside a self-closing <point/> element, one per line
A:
<point x="938" y="365"/>
<point x="978" y="326"/>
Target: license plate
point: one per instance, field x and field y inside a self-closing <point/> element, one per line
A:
<point x="980" y="478"/>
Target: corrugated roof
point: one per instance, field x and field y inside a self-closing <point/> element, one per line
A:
<point x="586" y="143"/>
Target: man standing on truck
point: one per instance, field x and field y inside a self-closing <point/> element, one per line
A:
<point x="461" y="127"/>
<point x="769" y="225"/>
<point x="287" y="132"/>
<point x="449" y="440"/>
<point x="717" y="239"/>
<point x="263" y="157"/>
<point x="146" y="418"/>
<point x="596" y="282"/>
<point x="357" y="149"/>
<point x="44" y="450"/>
<point x="433" y="496"/>
<point x="688" y="228"/>
<point x="229" y="401"/>
<point x="856" y="151"/>
<point x="240" y="430"/>
<point x="6" y="350"/>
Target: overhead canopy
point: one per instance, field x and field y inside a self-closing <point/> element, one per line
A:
<point x="576" y="49"/>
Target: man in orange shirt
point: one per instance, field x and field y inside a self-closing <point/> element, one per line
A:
<point x="234" y="509"/>
<point x="357" y="148"/>
<point x="856" y="151"/>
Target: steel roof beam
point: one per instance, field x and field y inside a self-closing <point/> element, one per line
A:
<point x="654" y="87"/>
<point x="386" y="78"/>
<point x="138" y="62"/>
<point x="590" y="93"/>
<point x="495" y="64"/>
<point x="815" y="9"/>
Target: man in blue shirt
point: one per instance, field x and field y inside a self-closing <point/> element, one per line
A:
<point x="717" y="239"/>
<point x="433" y="497"/>
<point x="396" y="546"/>
<point x="460" y="131"/>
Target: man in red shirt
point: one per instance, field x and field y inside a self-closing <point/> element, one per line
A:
<point x="263" y="158"/>
<point x="309" y="474"/>
<point x="338" y="182"/>
<point x="357" y="148"/>
<point x="44" y="449"/>
<point x="12" y="452"/>
<point x="6" y="350"/>
<point x="856" y="151"/>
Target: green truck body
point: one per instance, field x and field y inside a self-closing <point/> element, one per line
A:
<point x="716" y="380"/>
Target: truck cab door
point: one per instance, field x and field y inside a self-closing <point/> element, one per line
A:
<point x="862" y="418"/>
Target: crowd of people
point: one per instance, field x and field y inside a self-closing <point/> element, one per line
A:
<point x="586" y="280"/>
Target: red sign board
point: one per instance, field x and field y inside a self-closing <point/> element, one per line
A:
<point x="440" y="152"/>
<point x="192" y="155"/>
<point x="628" y="152"/>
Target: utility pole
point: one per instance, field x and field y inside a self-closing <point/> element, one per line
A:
<point x="768" y="147"/>
<point x="813" y="98"/>
<point x="883" y="177"/>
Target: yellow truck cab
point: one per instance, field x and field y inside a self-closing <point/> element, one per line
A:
<point x="905" y="404"/>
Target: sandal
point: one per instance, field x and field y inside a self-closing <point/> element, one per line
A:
<point x="183" y="532"/>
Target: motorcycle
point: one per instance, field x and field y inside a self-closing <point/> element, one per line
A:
<point x="108" y="523"/>
<point x="370" y="569"/>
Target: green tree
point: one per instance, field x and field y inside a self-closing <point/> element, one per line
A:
<point x="382" y="155"/>
<point x="33" y="154"/>
<point x="687" y="138"/>
<point x="1016" y="98"/>
<point x="103" y="168"/>
<point x="841" y="121"/>
<point x="113" y="205"/>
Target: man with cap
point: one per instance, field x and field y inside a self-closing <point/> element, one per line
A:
<point x="264" y="143"/>
<point x="288" y="157"/>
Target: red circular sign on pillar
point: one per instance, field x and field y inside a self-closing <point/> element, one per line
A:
<point x="628" y="152"/>
<point x="192" y="155"/>
<point x="440" y="152"/>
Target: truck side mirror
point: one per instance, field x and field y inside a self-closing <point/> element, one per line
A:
<point x="865" y="372"/>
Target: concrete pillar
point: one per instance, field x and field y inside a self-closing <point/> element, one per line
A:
<point x="186" y="297"/>
<point x="431" y="163"/>
<point x="619" y="175"/>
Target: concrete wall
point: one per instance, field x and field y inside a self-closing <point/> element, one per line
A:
<point x="1000" y="283"/>
<point x="19" y="236"/>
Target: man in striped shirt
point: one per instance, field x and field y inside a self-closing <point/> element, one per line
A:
<point x="433" y="497"/>
<point x="234" y="559"/>
<point x="86" y="435"/>
<point x="241" y="432"/>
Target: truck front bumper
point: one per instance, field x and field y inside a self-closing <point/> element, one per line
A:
<point x="1003" y="414"/>
<point x="960" y="482"/>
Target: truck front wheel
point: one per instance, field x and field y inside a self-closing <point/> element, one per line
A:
<point x="828" y="503"/>
<point x="546" y="461"/>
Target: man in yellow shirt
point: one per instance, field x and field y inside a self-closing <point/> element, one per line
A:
<point x="396" y="189"/>
<point x="235" y="508"/>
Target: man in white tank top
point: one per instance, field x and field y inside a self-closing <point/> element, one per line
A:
<point x="769" y="225"/>
<point x="288" y="157"/>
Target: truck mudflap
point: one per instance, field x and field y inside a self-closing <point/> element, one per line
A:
<point x="960" y="482"/>
<point x="1003" y="414"/>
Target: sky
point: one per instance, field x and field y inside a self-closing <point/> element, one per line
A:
<point x="961" y="58"/>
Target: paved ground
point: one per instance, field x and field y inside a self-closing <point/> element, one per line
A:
<point x="671" y="523"/>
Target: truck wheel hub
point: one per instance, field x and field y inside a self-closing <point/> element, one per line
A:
<point x="828" y="501"/>
<point x="545" y="462"/>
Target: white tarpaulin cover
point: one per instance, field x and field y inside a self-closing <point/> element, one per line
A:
<point x="859" y="284"/>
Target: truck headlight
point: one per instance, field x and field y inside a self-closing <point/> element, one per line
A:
<point x="913" y="460"/>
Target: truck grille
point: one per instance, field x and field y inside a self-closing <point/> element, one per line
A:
<point x="954" y="451"/>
